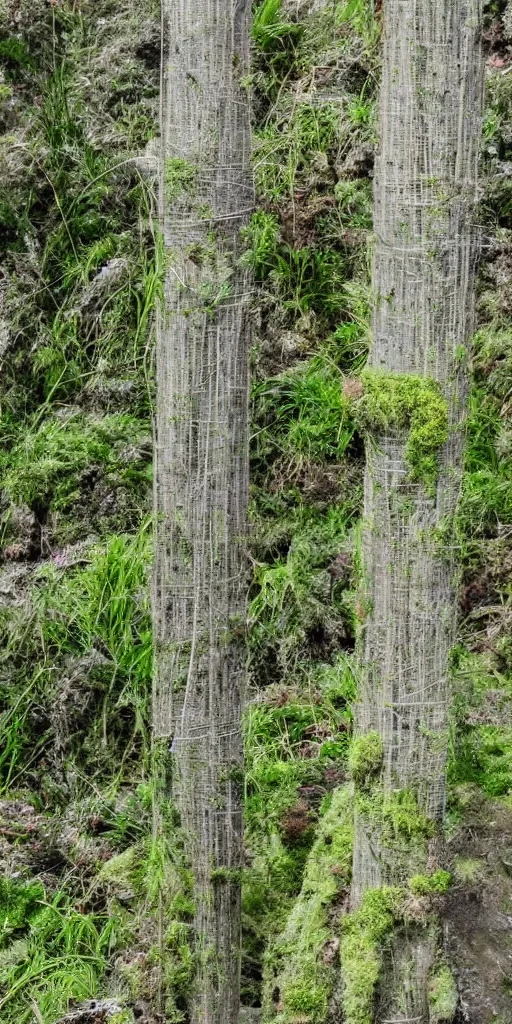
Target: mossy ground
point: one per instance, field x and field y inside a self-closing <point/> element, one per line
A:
<point x="82" y="860"/>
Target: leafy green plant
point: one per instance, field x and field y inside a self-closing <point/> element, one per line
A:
<point x="360" y="110"/>
<point x="304" y="279"/>
<point x="354" y="202"/>
<point x="275" y="39"/>
<point x="15" y="57"/>
<point x="45" y="468"/>
<point x="96" y="618"/>
<point x="393" y="402"/>
<point x="294" y="148"/>
<point x="302" y="414"/>
<point x="363" y="934"/>
<point x="83" y="266"/>
<point x="294" y="602"/>
<point x="270" y="29"/>
<point x="486" y="500"/>
<point x="359" y="17"/>
<point x="278" y="733"/>
<point x="64" y="957"/>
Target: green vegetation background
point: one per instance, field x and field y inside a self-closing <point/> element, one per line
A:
<point x="84" y="872"/>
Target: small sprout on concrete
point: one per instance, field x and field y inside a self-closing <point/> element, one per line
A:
<point x="180" y="178"/>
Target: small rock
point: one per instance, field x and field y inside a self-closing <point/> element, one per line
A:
<point x="506" y="860"/>
<point x="353" y="388"/>
<point x="94" y="1011"/>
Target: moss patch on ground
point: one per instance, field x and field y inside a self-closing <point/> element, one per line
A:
<point x="301" y="964"/>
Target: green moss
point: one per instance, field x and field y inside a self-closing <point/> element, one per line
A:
<point x="468" y="870"/>
<point x="443" y="996"/>
<point x="165" y="883"/>
<point x="300" y="963"/>
<point x="280" y="821"/>
<point x="483" y="754"/>
<point x="400" y="827"/>
<point x="365" y="759"/>
<point x="178" y="961"/>
<point x="305" y="997"/>
<point x="119" y="871"/>
<point x="224" y="875"/>
<point x="402" y="817"/>
<point x="47" y="465"/>
<point x="363" y="935"/>
<point x="180" y="178"/>
<point x="425" y="885"/>
<point x="394" y="402"/>
<point x="18" y="904"/>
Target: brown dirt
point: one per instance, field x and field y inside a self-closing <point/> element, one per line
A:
<point x="477" y="917"/>
<point x="297" y="822"/>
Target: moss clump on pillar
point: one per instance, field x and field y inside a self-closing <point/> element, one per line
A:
<point x="395" y="402"/>
<point x="180" y="177"/>
<point x="430" y="885"/>
<point x="365" y="760"/>
<point x="363" y="935"/>
<point x="402" y="816"/>
<point x="399" y="829"/>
